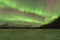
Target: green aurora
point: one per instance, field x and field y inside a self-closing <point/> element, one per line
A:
<point x="35" y="11"/>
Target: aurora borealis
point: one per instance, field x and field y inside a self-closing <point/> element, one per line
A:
<point x="35" y="11"/>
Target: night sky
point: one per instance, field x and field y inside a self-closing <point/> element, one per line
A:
<point x="35" y="11"/>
